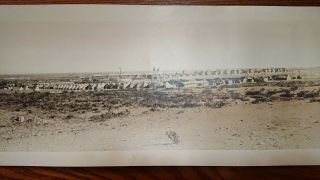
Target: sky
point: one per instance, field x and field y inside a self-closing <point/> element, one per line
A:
<point x="103" y="38"/>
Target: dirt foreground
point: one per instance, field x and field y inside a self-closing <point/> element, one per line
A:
<point x="274" y="125"/>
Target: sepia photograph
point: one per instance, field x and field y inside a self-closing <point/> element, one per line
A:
<point x="119" y="78"/>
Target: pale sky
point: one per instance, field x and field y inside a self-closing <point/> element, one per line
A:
<point x="102" y="38"/>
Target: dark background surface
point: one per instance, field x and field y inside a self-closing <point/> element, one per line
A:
<point x="283" y="172"/>
<point x="167" y="173"/>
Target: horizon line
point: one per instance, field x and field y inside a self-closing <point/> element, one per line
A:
<point x="150" y="71"/>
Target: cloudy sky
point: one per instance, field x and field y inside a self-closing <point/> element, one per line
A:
<point x="101" y="38"/>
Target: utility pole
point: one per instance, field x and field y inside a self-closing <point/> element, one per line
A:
<point x="153" y="74"/>
<point x="119" y="77"/>
<point x="203" y="80"/>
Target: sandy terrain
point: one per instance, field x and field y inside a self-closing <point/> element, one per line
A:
<point x="207" y="120"/>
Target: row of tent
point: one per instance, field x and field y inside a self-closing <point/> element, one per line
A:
<point x="95" y="86"/>
<point x="239" y="71"/>
<point x="170" y="84"/>
<point x="146" y="84"/>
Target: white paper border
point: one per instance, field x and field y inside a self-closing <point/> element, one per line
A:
<point x="163" y="158"/>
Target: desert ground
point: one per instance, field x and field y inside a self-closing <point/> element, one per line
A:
<point x="275" y="115"/>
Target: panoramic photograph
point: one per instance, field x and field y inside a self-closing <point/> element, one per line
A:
<point x="121" y="78"/>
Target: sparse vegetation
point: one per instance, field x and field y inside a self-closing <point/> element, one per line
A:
<point x="253" y="92"/>
<point x="114" y="110"/>
<point x="109" y="115"/>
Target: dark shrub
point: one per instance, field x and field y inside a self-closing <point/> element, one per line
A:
<point x="311" y="95"/>
<point x="190" y="105"/>
<point x="306" y="94"/>
<point x="270" y="93"/>
<point x="252" y="93"/>
<point x="217" y="104"/>
<point x="314" y="100"/>
<point x="69" y="116"/>
<point x="301" y="94"/>
<point x="294" y="88"/>
<point x="288" y="95"/>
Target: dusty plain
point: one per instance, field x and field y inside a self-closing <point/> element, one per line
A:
<point x="274" y="115"/>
